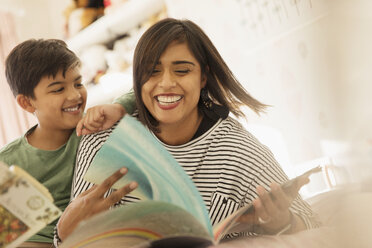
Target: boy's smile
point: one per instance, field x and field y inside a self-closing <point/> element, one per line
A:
<point x="59" y="102"/>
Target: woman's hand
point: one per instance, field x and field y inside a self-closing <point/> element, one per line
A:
<point x="100" y="117"/>
<point x="271" y="209"/>
<point x="92" y="202"/>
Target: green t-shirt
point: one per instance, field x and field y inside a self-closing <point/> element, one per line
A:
<point x="128" y="101"/>
<point x="54" y="169"/>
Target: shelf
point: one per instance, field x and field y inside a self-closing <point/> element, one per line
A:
<point x="129" y="15"/>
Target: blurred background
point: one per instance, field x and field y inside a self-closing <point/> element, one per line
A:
<point x="309" y="59"/>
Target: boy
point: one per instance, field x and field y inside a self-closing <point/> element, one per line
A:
<point x="44" y="76"/>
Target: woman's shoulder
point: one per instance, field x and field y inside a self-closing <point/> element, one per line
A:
<point x="231" y="127"/>
<point x="231" y="131"/>
<point x="95" y="139"/>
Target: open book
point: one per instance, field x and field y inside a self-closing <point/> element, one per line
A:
<point x="172" y="209"/>
<point x="26" y="206"/>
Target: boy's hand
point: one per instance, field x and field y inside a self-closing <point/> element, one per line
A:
<point x="100" y="117"/>
<point x="92" y="202"/>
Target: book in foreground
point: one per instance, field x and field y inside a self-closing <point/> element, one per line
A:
<point x="26" y="206"/>
<point x="172" y="213"/>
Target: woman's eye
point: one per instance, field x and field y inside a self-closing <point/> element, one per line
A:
<point x="155" y="71"/>
<point x="183" y="71"/>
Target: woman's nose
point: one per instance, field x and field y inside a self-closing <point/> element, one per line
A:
<point x="167" y="80"/>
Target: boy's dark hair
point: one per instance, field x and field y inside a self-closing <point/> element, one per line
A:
<point x="222" y="86"/>
<point x="33" y="59"/>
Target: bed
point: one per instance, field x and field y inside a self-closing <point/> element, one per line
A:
<point x="346" y="222"/>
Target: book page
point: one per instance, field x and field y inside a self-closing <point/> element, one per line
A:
<point x="137" y="223"/>
<point x="158" y="174"/>
<point x="24" y="209"/>
<point x="229" y="224"/>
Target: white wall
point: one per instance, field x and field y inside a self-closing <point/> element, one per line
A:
<point x="37" y="18"/>
<point x="310" y="61"/>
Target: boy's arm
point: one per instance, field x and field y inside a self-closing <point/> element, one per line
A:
<point x="128" y="101"/>
<point x="102" y="117"/>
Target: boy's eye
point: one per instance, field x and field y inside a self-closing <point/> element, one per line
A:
<point x="58" y="90"/>
<point x="79" y="85"/>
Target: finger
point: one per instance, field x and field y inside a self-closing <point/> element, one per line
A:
<point x="258" y="205"/>
<point x="120" y="193"/>
<point x="86" y="131"/>
<point x="98" y="115"/>
<point x="302" y="181"/>
<point x="267" y="201"/>
<point x="281" y="201"/>
<point x="107" y="184"/>
<point x="292" y="192"/>
<point x="79" y="127"/>
<point x="260" y="211"/>
<point x="94" y="122"/>
<point x="86" y="192"/>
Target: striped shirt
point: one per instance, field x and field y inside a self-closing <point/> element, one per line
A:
<point x="226" y="163"/>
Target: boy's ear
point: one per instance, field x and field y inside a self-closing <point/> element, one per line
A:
<point x="25" y="103"/>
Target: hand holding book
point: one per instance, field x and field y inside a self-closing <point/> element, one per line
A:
<point x="270" y="212"/>
<point x="168" y="208"/>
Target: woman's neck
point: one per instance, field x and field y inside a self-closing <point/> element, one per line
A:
<point x="48" y="140"/>
<point x="179" y="133"/>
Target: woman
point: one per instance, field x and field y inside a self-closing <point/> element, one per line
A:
<point x="184" y="93"/>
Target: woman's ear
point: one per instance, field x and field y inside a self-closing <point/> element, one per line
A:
<point x="203" y="81"/>
<point x="204" y="77"/>
<point x="25" y="103"/>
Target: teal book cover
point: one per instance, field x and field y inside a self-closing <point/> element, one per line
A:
<point x="158" y="174"/>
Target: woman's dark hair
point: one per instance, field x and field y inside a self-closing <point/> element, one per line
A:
<point x="33" y="59"/>
<point x="222" y="86"/>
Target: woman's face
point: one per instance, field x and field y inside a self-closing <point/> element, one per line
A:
<point x="172" y="92"/>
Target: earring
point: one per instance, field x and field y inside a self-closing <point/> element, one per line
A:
<point x="207" y="102"/>
<point x="209" y="108"/>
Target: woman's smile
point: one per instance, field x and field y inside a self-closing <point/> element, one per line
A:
<point x="168" y="101"/>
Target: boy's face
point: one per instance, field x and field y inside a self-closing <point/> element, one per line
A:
<point x="60" y="102"/>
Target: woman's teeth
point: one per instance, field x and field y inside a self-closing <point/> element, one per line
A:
<point x="166" y="100"/>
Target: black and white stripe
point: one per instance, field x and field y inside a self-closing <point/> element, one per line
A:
<point x="226" y="164"/>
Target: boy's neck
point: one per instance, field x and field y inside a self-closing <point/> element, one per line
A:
<point x="48" y="140"/>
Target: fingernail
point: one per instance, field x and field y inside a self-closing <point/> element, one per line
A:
<point x="133" y="185"/>
<point x="123" y="170"/>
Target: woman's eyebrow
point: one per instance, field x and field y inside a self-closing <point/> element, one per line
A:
<point x="182" y="62"/>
